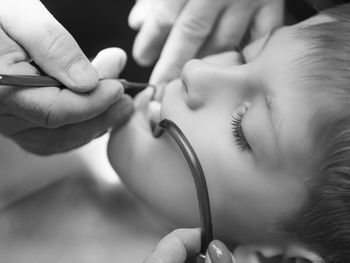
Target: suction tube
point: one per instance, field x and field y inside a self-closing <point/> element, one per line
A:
<point x="199" y="180"/>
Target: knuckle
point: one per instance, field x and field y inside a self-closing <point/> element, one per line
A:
<point x="164" y="18"/>
<point x="59" y="47"/>
<point x="53" y="40"/>
<point x="13" y="53"/>
<point x="194" y="26"/>
<point x="10" y="49"/>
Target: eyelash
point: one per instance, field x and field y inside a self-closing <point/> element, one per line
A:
<point x="237" y="132"/>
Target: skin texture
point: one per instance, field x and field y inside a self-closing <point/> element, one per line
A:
<point x="177" y="31"/>
<point x="50" y="120"/>
<point x="250" y="190"/>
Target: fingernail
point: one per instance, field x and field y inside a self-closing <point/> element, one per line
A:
<point x="219" y="253"/>
<point x="83" y="74"/>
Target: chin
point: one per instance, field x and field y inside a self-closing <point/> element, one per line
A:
<point x="155" y="171"/>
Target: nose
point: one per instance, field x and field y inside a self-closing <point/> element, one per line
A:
<point x="206" y="82"/>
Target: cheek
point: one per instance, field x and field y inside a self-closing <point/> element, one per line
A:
<point x="173" y="104"/>
<point x="156" y="173"/>
<point x="246" y="200"/>
<point x="248" y="203"/>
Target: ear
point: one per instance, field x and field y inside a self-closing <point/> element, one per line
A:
<point x="303" y="255"/>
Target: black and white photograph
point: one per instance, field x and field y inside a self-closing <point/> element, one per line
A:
<point x="174" y="131"/>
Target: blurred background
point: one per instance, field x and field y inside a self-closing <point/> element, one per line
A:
<point x="97" y="25"/>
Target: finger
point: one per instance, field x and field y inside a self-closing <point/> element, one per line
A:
<point x="219" y="253"/>
<point x="155" y="30"/>
<point x="45" y="141"/>
<point x="48" y="43"/>
<point x="269" y="16"/>
<point x="139" y="13"/>
<point x="11" y="124"/>
<point x="229" y="30"/>
<point x="10" y="51"/>
<point x="13" y="58"/>
<point x="176" y="247"/>
<point x="110" y="62"/>
<point x="223" y="59"/>
<point x="189" y="33"/>
<point x="53" y="107"/>
<point x="71" y="107"/>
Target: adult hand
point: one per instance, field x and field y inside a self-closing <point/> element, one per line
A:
<point x="28" y="31"/>
<point x="50" y="120"/>
<point x="190" y="28"/>
<point x="184" y="244"/>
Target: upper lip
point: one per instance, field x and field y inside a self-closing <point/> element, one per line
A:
<point x="160" y="90"/>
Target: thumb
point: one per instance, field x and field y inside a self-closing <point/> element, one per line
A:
<point x="218" y="253"/>
<point x="110" y="62"/>
<point x="48" y="43"/>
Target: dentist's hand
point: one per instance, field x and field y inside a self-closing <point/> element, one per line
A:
<point x="176" y="31"/>
<point x="182" y="245"/>
<point x="50" y="120"/>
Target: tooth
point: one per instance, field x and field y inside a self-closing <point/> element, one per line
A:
<point x="153" y="112"/>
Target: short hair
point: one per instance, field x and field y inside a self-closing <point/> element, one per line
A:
<point x="323" y="223"/>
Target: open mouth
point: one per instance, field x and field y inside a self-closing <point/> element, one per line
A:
<point x="152" y="132"/>
<point x="149" y="103"/>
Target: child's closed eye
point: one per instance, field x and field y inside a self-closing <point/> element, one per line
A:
<point x="237" y="130"/>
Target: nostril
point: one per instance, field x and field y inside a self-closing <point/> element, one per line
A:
<point x="185" y="87"/>
<point x="191" y="78"/>
<point x="192" y="93"/>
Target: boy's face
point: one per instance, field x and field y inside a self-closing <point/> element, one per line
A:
<point x="248" y="124"/>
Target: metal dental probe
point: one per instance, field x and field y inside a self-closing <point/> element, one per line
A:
<point x="131" y="88"/>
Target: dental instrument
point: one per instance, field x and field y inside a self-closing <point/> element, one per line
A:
<point x="131" y="88"/>
<point x="199" y="179"/>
